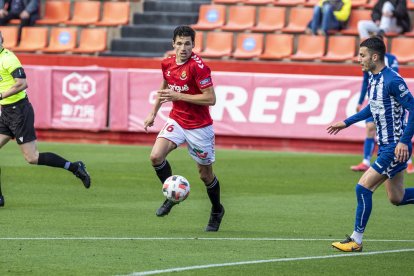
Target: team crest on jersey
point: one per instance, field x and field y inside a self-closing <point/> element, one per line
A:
<point x="401" y="87"/>
<point x="168" y="73"/>
<point x="183" y="75"/>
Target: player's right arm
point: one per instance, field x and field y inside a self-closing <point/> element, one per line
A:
<point x="149" y="121"/>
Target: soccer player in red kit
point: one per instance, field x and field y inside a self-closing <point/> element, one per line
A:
<point x="188" y="85"/>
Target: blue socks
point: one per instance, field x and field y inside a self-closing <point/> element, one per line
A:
<point x="408" y="197"/>
<point x="364" y="207"/>
<point x="369" y="145"/>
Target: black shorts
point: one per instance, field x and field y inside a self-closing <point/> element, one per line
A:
<point x="17" y="121"/>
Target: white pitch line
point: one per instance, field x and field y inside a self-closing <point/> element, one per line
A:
<point x="177" y="269"/>
<point x="184" y="238"/>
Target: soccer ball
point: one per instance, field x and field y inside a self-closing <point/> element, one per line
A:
<point x="176" y="188"/>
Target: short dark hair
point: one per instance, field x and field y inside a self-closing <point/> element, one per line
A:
<point x="375" y="45"/>
<point x="184" y="31"/>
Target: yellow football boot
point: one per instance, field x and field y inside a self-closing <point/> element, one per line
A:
<point x="348" y="245"/>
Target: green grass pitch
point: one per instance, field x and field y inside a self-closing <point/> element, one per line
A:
<point x="284" y="209"/>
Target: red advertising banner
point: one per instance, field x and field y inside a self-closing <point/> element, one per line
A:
<point x="80" y="98"/>
<point x="263" y="105"/>
<point x="39" y="91"/>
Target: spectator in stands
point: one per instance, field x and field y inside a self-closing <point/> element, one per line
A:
<point x="387" y="16"/>
<point x="17" y="119"/>
<point x="329" y="15"/>
<point x="25" y="10"/>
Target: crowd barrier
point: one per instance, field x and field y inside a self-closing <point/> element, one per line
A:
<point x="248" y="104"/>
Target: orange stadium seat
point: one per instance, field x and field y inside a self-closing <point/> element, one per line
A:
<point x="340" y="48"/>
<point x="85" y="13"/>
<point x="10" y="34"/>
<point x="55" y="12"/>
<point x="310" y="47"/>
<point x="410" y="33"/>
<point x="277" y="46"/>
<point x="270" y="19"/>
<point x="410" y="4"/>
<point x="240" y="18"/>
<point x="402" y="48"/>
<point x="289" y="3"/>
<point x="358" y="3"/>
<point x="218" y="44"/>
<point x="311" y="3"/>
<point x="114" y="14"/>
<point x="355" y="16"/>
<point x="370" y="4"/>
<point x="258" y="2"/>
<point x="61" y="40"/>
<point x="91" y="40"/>
<point x="210" y="17"/>
<point x="248" y="46"/>
<point x="32" y="39"/>
<point x="298" y="20"/>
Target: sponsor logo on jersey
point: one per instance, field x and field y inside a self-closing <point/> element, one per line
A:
<point x="205" y="81"/>
<point x="183" y="75"/>
<point x="403" y="89"/>
<point x="200" y="153"/>
<point x="178" y="88"/>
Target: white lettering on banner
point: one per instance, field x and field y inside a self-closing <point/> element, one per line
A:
<point x="229" y="98"/>
<point x="260" y="103"/>
<point x="78" y="113"/>
<point x="294" y="103"/>
<point x="330" y="108"/>
<point x="76" y="87"/>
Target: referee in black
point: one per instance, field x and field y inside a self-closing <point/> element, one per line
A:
<point x="17" y="119"/>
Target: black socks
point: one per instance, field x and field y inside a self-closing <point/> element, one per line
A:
<point x="163" y="170"/>
<point x="213" y="191"/>
<point x="53" y="160"/>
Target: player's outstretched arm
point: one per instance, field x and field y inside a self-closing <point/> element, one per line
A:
<point x="336" y="127"/>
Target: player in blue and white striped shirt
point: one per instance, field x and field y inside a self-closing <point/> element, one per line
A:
<point x="389" y="97"/>
<point x="369" y="142"/>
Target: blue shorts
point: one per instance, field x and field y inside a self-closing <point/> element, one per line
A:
<point x="369" y="120"/>
<point x="386" y="162"/>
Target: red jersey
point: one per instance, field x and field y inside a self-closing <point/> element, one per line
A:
<point x="189" y="78"/>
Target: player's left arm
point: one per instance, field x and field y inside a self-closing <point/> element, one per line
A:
<point x="20" y="83"/>
<point x="364" y="114"/>
<point x="400" y="91"/>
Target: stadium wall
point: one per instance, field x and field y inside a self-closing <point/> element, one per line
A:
<point x="47" y="86"/>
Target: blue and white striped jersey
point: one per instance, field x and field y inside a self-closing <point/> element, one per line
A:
<point x="390" y="61"/>
<point x="389" y="96"/>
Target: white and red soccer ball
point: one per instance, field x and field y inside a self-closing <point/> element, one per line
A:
<point x="176" y="188"/>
